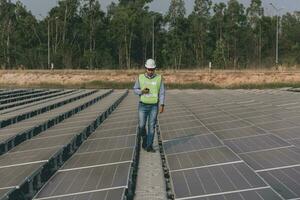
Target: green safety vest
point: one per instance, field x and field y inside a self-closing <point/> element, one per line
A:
<point x="154" y="87"/>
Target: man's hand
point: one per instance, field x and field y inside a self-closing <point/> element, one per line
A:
<point x="145" y="91"/>
<point x="161" y="108"/>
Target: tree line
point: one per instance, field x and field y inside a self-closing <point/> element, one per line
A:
<point x="78" y="34"/>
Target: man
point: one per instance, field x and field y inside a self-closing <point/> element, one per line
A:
<point x="150" y="88"/>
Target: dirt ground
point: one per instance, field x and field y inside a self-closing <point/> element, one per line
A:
<point x="28" y="78"/>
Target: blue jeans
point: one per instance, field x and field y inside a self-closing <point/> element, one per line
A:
<point x="147" y="112"/>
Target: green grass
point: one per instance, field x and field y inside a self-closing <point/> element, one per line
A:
<point x="129" y="85"/>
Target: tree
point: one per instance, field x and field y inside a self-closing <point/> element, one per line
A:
<point x="217" y="21"/>
<point x="81" y="35"/>
<point x="236" y="34"/>
<point x="200" y="28"/>
<point x="219" y="58"/>
<point x="125" y="20"/>
<point x="67" y="22"/>
<point x="177" y="25"/>
<point x="92" y="17"/>
<point x="290" y="41"/>
<point x="254" y="15"/>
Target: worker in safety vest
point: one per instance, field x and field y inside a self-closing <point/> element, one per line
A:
<point x="150" y="88"/>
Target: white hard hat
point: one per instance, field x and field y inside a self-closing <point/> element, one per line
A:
<point x="150" y="64"/>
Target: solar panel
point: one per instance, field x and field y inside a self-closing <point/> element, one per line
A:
<point x="218" y="119"/>
<point x="215" y="179"/>
<point x="209" y="114"/>
<point x="262" y="119"/>
<point x="80" y="160"/>
<point x="19" y="115"/>
<point x="285" y="181"/>
<point x="14" y="176"/>
<point x="288" y="133"/>
<point x="255" y="143"/>
<point x="123" y="116"/>
<point x="180" y="126"/>
<point x="32" y="105"/>
<point x="216" y="145"/>
<point x="27" y="96"/>
<point x="249" y="125"/>
<point x="201" y="158"/>
<point x="253" y="114"/>
<point x="117" y="123"/>
<point x="101" y="165"/>
<point x="191" y="143"/>
<point x="295" y="142"/>
<point x="275" y="158"/>
<point x="28" y="100"/>
<point x="239" y="132"/>
<point x="108" y="144"/>
<point x="4" y="193"/>
<point x="91" y="179"/>
<point x="110" y="194"/>
<point x="26" y="129"/>
<point x="261" y="194"/>
<point x="277" y="125"/>
<point x="175" y="125"/>
<point x="31" y="158"/>
<point x="13" y="93"/>
<point x="172" y="119"/>
<point x="228" y="125"/>
<point x="59" y="131"/>
<point x="114" y="132"/>
<point x="44" y="143"/>
<point x="295" y="120"/>
<point x="21" y="158"/>
<point x="170" y="134"/>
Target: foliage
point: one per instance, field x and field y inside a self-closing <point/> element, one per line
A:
<point x="79" y="34"/>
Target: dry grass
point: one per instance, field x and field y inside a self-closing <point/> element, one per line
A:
<point x="174" y="79"/>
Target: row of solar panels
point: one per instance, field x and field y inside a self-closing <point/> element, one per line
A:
<point x="27" y="166"/>
<point x="104" y="164"/>
<point x="32" y="125"/>
<point x="18" y="132"/>
<point x="16" y="114"/>
<point x="231" y="145"/>
<point x="13" y="93"/>
<point x="30" y="98"/>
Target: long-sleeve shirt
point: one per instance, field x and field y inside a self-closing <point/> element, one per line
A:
<point x="161" y="95"/>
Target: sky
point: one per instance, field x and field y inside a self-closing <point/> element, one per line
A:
<point x="42" y="7"/>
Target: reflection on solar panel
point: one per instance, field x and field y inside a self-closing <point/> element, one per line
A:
<point x="240" y="145"/>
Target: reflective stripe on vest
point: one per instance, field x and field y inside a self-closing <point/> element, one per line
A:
<point x="154" y="87"/>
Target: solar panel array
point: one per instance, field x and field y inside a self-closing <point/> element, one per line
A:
<point x="214" y="144"/>
<point x="231" y="144"/>
<point x="53" y="136"/>
<point x="104" y="164"/>
<point x="16" y="133"/>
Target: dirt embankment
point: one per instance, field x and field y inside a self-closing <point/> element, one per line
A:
<point x="20" y="78"/>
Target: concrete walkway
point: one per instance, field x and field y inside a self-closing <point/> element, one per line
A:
<point x="150" y="179"/>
